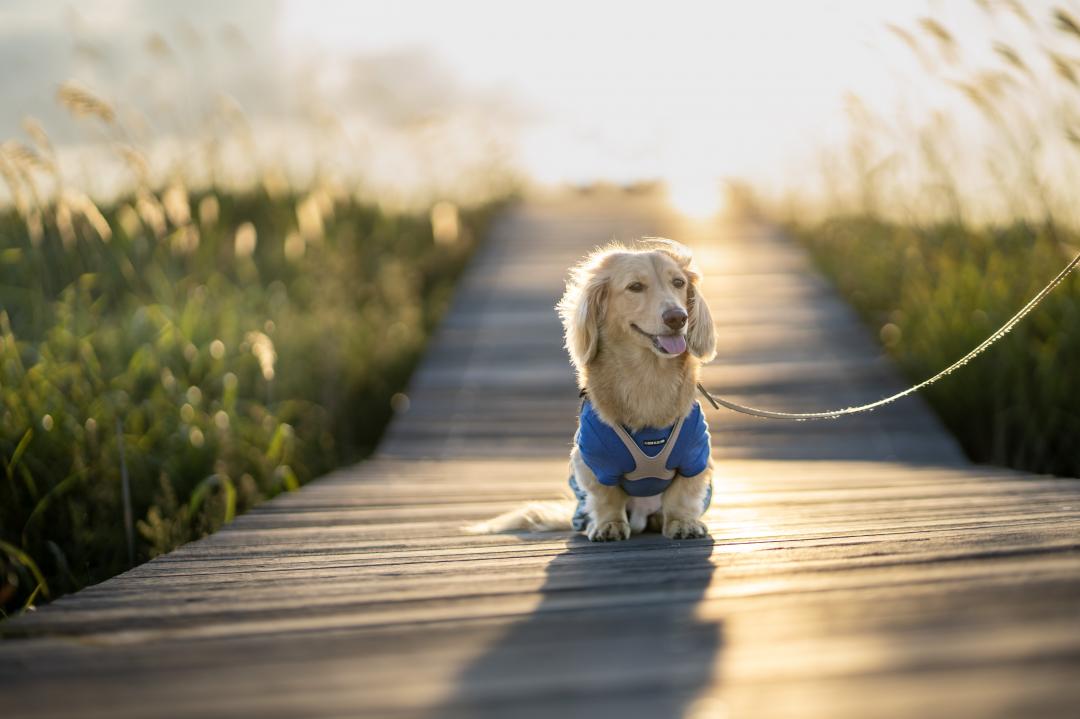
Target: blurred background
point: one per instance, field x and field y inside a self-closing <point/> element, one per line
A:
<point x="227" y="229"/>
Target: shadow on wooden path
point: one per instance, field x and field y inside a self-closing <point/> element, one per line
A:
<point x="856" y="568"/>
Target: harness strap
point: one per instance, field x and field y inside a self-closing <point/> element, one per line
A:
<point x="646" y="466"/>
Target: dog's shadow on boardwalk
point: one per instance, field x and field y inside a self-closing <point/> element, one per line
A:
<point x="616" y="632"/>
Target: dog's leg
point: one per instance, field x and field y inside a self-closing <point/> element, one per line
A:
<point x="683" y="503"/>
<point x="606" y="505"/>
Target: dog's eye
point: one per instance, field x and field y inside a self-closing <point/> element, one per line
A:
<point x="635" y="287"/>
<point x="679" y="282"/>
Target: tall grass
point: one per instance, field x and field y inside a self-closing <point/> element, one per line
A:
<point x="215" y="372"/>
<point x="227" y="360"/>
<point x="931" y="293"/>
<point x="172" y="358"/>
<point x="935" y="257"/>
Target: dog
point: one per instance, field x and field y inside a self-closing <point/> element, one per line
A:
<point x="637" y="330"/>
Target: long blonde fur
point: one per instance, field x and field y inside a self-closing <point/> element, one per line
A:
<point x="628" y="383"/>
<point x="531" y="517"/>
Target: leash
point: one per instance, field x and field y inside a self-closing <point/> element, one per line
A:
<point x="718" y="402"/>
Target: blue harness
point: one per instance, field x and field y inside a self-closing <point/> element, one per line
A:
<point x="642" y="463"/>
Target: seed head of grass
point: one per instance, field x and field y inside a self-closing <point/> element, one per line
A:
<point x="209" y="210"/>
<point x="83" y="205"/>
<point x="1064" y="69"/>
<point x="177" y="208"/>
<point x="14" y="185"/>
<point x="151" y="212"/>
<point x="64" y="224"/>
<point x="1009" y="55"/>
<point x="80" y="102"/>
<point x="912" y="43"/>
<point x="26" y="157"/>
<point x="905" y="37"/>
<point x="309" y="219"/>
<point x="445" y="226"/>
<point x="994" y="83"/>
<point x="245" y="240"/>
<point x="1072" y="134"/>
<point x="1017" y="8"/>
<point x="37" y="133"/>
<point x="295" y="246"/>
<point x="128" y="219"/>
<point x="263" y="349"/>
<point x="936" y="30"/>
<point x="135" y="161"/>
<point x="1065" y="22"/>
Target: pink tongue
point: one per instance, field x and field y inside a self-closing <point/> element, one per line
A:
<point x="672" y="344"/>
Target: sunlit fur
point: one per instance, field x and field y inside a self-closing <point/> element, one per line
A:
<point x="629" y="381"/>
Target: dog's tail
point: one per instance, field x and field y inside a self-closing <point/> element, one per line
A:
<point x="531" y="517"/>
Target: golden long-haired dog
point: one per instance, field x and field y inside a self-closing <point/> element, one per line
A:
<point x="637" y="329"/>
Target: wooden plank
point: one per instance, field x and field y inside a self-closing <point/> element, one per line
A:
<point x="857" y="567"/>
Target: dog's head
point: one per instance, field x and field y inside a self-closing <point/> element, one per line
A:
<point x="641" y="299"/>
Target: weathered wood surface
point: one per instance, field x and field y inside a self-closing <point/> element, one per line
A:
<point x="856" y="568"/>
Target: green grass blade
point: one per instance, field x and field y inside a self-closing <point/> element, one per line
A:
<point x="17" y="555"/>
<point x="20" y="449"/>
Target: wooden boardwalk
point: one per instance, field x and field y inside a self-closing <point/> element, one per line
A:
<point x="856" y="568"/>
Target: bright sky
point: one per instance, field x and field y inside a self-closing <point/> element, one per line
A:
<point x="575" y="91"/>
<point x="685" y="90"/>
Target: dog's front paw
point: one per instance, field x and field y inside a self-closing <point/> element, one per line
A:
<point x="677" y="528"/>
<point x="612" y="531"/>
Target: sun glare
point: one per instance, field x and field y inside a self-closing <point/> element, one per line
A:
<point x="730" y="92"/>
<point x="694" y="199"/>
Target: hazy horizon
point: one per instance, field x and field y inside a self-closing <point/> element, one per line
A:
<point x="414" y="96"/>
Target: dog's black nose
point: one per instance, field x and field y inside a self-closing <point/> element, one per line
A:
<point x="675" y="318"/>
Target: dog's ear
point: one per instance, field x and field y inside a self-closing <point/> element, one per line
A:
<point x="700" y="333"/>
<point x="582" y="310"/>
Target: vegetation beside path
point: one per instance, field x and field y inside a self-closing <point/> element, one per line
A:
<point x="931" y="293"/>
<point x="216" y="348"/>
